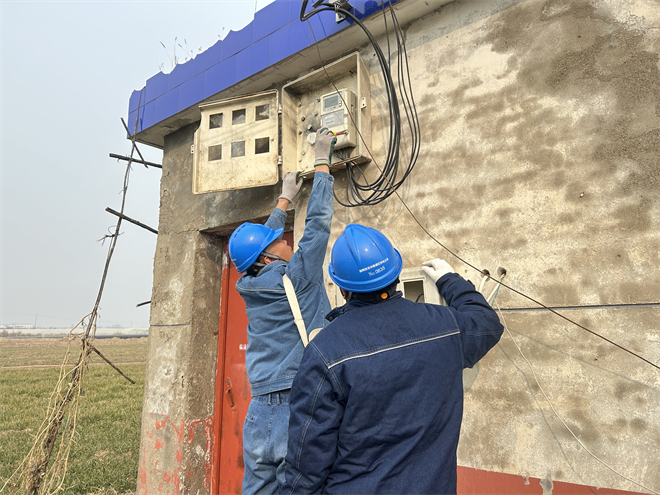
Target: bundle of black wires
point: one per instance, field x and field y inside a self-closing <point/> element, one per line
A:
<point x="359" y="190"/>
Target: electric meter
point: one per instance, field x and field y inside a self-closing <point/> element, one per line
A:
<point x="338" y="115"/>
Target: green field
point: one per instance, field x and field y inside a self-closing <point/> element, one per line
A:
<point x="104" y="458"/>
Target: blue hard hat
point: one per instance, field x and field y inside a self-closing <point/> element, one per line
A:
<point x="248" y="241"/>
<point x="363" y="260"/>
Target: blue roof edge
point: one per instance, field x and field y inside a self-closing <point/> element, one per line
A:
<point x="274" y="34"/>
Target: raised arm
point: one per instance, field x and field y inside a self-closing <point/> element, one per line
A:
<point x="307" y="262"/>
<point x="479" y="325"/>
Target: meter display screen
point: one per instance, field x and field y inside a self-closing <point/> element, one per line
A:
<point x="332" y="119"/>
<point x="332" y="101"/>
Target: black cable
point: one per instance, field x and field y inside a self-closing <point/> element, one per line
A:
<point x="359" y="190"/>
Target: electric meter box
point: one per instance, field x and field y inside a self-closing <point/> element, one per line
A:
<point x="336" y="96"/>
<point x="415" y="285"/>
<point x="418" y="287"/>
<point x="337" y="110"/>
<point x="236" y="145"/>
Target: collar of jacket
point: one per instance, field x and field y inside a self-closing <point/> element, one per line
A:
<point x="356" y="303"/>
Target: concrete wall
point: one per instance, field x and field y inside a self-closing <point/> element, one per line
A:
<point x="177" y="416"/>
<point x="540" y="153"/>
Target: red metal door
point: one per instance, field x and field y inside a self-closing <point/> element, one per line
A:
<point x="232" y="389"/>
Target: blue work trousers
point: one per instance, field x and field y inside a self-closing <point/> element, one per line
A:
<point x="265" y="436"/>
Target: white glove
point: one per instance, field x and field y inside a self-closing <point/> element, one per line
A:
<point x="290" y="188"/>
<point x="436" y="268"/>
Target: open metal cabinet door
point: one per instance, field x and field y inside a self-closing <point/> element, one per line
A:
<point x="236" y="145"/>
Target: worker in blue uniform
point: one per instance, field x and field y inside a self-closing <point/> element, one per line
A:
<point x="274" y="346"/>
<point x="377" y="404"/>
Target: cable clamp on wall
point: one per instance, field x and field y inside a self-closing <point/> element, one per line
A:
<point x="340" y="5"/>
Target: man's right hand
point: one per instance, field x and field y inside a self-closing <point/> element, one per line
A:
<point x="436" y="268"/>
<point x="324" y="146"/>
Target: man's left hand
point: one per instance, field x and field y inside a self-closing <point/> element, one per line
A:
<point x="436" y="268"/>
<point x="290" y="188"/>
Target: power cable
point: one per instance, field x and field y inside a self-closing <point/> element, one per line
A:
<point x="393" y="186"/>
<point x="360" y="191"/>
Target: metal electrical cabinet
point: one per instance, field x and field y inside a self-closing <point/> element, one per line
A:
<point x="236" y="145"/>
<point x="304" y="105"/>
<point x="416" y="286"/>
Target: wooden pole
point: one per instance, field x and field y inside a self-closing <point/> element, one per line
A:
<point x="134" y="160"/>
<point x="107" y="361"/>
<point x="129" y="219"/>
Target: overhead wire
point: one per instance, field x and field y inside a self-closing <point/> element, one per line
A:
<point x="386" y="170"/>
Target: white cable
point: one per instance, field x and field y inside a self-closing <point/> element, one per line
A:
<point x="483" y="282"/>
<point x="559" y="417"/>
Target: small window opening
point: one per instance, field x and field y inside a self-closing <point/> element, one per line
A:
<point x="238" y="149"/>
<point x="215" y="121"/>
<point x="414" y="290"/>
<point x="238" y="117"/>
<point x="261" y="145"/>
<point x="215" y="152"/>
<point x="262" y="112"/>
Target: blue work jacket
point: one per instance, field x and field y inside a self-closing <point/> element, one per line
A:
<point x="377" y="404"/>
<point x="274" y="347"/>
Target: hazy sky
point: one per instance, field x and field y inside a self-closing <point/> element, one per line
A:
<point x="68" y="70"/>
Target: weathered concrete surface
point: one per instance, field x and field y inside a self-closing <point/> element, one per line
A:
<point x="177" y="417"/>
<point x="607" y="398"/>
<point x="541" y="153"/>
<point x="540" y="135"/>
